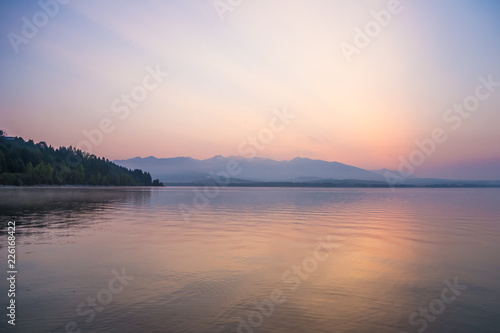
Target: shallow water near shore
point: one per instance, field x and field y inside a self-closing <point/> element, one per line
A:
<point x="105" y="259"/>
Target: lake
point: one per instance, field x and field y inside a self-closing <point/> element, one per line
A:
<point x="172" y="259"/>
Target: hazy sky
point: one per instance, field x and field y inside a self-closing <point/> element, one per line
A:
<point x="225" y="77"/>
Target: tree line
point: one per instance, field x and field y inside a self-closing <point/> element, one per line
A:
<point x="28" y="163"/>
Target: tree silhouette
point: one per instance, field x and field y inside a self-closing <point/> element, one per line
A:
<point x="29" y="163"/>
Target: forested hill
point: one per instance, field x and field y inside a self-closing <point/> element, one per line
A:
<point x="28" y="163"/>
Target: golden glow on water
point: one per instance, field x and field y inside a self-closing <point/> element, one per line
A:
<point x="389" y="254"/>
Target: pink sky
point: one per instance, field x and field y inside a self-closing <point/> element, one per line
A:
<point x="226" y="77"/>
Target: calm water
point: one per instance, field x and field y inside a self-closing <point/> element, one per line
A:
<point x="250" y="260"/>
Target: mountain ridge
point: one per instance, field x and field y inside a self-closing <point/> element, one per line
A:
<point x="187" y="169"/>
<point x="299" y="171"/>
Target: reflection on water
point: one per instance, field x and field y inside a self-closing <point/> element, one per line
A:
<point x="247" y="261"/>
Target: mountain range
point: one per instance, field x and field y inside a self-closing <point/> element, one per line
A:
<point x="267" y="172"/>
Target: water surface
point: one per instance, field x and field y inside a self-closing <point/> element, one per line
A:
<point x="254" y="259"/>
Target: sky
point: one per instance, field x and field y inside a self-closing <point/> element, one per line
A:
<point x="367" y="83"/>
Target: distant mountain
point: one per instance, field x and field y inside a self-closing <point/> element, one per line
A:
<point x="299" y="172"/>
<point x="187" y="169"/>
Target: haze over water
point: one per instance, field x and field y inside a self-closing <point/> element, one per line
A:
<point x="387" y="254"/>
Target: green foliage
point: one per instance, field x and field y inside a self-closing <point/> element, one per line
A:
<point x="157" y="182"/>
<point x="27" y="163"/>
